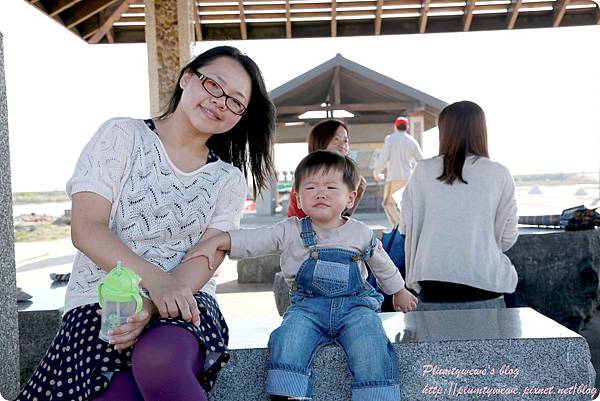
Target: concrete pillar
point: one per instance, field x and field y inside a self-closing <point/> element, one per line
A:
<point x="169" y="38"/>
<point x="9" y="329"/>
<point x="266" y="199"/>
<point x="416" y="120"/>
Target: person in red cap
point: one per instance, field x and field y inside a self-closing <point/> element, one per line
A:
<point x="398" y="158"/>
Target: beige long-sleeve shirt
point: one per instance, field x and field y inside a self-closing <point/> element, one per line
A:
<point x="399" y="155"/>
<point x="284" y="239"/>
<point x="457" y="233"/>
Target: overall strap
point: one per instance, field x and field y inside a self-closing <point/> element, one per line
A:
<point x="309" y="237"/>
<point x="367" y="253"/>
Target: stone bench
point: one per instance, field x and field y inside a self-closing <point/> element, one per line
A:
<point x="39" y="321"/>
<point x="568" y="264"/>
<point x="257" y="270"/>
<point x="527" y="351"/>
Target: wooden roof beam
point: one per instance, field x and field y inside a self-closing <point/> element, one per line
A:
<point x="333" y="19"/>
<point x="378" y="13"/>
<point x="348" y="107"/>
<point x="107" y="25"/>
<point x="288" y="20"/>
<point x="88" y="9"/>
<point x="88" y="35"/>
<point x="337" y="87"/>
<point x="197" y="23"/>
<point x="109" y="36"/>
<point x="513" y="13"/>
<point x="560" y="8"/>
<point x="423" y="16"/>
<point x="61" y="6"/>
<point x="243" y="27"/>
<point x="468" y="15"/>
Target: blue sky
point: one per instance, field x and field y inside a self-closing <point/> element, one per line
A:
<point x="539" y="88"/>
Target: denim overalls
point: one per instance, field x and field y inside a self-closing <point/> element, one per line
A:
<point x="331" y="303"/>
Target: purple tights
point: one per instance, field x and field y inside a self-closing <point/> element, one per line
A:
<point x="166" y="362"/>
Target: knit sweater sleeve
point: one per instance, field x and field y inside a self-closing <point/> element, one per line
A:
<point x="506" y="220"/>
<point x="104" y="161"/>
<point x="406" y="207"/>
<point x="230" y="203"/>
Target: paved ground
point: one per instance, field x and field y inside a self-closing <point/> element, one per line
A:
<point x="238" y="301"/>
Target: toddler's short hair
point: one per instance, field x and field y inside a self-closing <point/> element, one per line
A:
<point x="325" y="160"/>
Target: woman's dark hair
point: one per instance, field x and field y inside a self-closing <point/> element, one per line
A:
<point x="249" y="143"/>
<point x="325" y="160"/>
<point x="322" y="133"/>
<point x="462" y="132"/>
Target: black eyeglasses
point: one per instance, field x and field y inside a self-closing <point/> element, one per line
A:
<point x="215" y="90"/>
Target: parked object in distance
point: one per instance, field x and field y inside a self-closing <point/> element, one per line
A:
<point x="573" y="219"/>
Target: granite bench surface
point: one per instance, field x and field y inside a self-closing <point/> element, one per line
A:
<point x="39" y="319"/>
<point x="520" y="350"/>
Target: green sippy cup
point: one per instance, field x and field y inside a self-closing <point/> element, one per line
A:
<point x="119" y="297"/>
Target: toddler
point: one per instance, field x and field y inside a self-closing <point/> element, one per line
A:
<point x="323" y="258"/>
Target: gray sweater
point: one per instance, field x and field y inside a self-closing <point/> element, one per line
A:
<point x="457" y="233"/>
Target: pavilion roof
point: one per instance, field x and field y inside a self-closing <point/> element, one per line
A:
<point x="123" y="21"/>
<point x="341" y="84"/>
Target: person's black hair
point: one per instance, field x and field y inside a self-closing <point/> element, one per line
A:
<point x="249" y="144"/>
<point x="324" y="161"/>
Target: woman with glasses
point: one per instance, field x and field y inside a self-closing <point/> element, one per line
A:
<point x="144" y="192"/>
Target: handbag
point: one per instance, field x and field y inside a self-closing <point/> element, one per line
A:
<point x="393" y="245"/>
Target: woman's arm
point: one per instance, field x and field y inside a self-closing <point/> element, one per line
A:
<point x="91" y="235"/>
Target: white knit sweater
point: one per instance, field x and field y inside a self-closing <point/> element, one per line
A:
<point x="158" y="211"/>
<point x="457" y="233"/>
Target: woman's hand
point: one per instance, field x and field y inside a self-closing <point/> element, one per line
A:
<point x="126" y="335"/>
<point x="405" y="301"/>
<point x="173" y="298"/>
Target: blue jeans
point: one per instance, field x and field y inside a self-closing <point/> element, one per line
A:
<point x="332" y="304"/>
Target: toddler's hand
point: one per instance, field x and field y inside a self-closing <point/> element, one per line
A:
<point x="405" y="301"/>
<point x="205" y="248"/>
